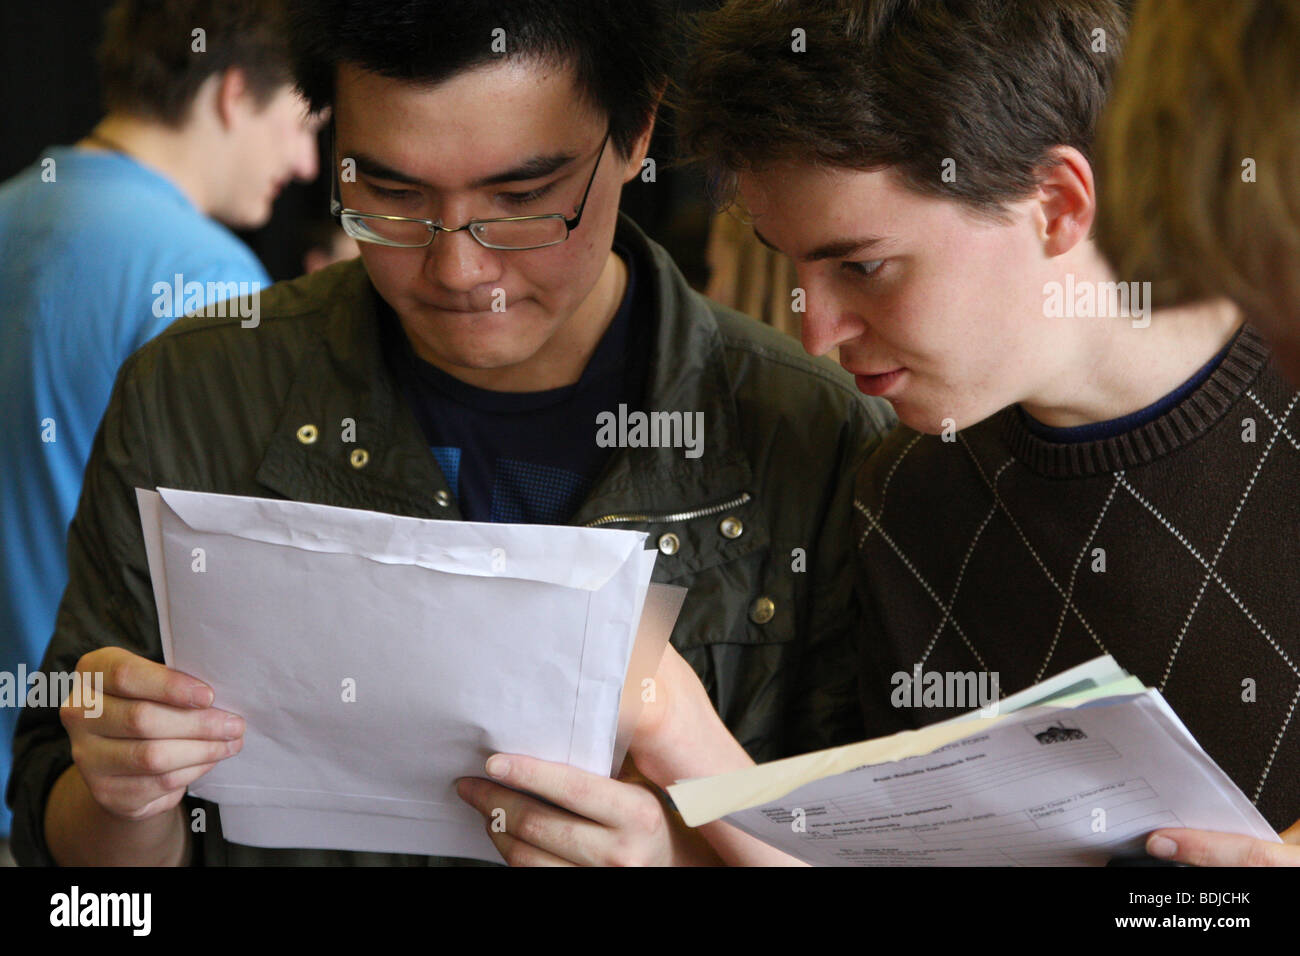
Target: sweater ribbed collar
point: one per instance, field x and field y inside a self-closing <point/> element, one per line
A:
<point x="1185" y="422"/>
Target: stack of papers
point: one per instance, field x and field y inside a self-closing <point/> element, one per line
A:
<point x="1074" y="771"/>
<point x="377" y="658"/>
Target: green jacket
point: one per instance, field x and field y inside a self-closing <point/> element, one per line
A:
<point x="213" y="406"/>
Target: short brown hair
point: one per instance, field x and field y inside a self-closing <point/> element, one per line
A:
<point x="148" y="66"/>
<point x="992" y="85"/>
<point x="1206" y="88"/>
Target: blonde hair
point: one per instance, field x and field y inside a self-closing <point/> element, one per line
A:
<point x="1208" y="93"/>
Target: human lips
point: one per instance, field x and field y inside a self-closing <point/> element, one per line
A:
<point x="878" y="383"/>
<point x="447" y="308"/>
<point x="497" y="304"/>
<point x="456" y="309"/>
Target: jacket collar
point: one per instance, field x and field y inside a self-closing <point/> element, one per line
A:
<point x="343" y="380"/>
<point x="388" y="467"/>
<point x="687" y="373"/>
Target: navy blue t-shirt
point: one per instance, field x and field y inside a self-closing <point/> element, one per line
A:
<point x="528" y="457"/>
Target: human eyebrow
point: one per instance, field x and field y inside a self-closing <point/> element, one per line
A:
<point x="534" y="167"/>
<point x="369" y="166"/>
<point x="836" y="249"/>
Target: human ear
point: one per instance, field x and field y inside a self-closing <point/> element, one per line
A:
<point x="641" y="145"/>
<point x="232" y="98"/>
<point x="1066" y="202"/>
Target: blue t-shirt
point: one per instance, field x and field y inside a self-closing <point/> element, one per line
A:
<point x="527" y="457"/>
<point x="88" y="240"/>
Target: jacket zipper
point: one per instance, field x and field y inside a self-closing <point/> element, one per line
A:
<point x="743" y="498"/>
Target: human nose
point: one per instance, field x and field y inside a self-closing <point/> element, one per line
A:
<point x="827" y="323"/>
<point x="456" y="261"/>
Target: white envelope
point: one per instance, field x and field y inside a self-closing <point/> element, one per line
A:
<point x="376" y="658"/>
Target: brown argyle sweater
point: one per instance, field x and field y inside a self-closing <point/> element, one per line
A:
<point x="1174" y="547"/>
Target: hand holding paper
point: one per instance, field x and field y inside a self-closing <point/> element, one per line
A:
<point x="583" y="819"/>
<point x="155" y="735"/>
<point x="1063" y="780"/>
<point x="1210" y="848"/>
<point x="377" y="658"/>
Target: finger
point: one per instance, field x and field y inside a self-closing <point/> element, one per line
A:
<point x="548" y="829"/>
<point x="139" y="794"/>
<point x="130" y="675"/>
<point x="586" y="794"/>
<point x="149" y="758"/>
<point x="136" y="719"/>
<point x="131" y="808"/>
<point x="1206" y="848"/>
<point x="1291" y="834"/>
<point x="518" y="853"/>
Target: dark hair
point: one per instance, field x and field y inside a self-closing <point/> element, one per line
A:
<point x="992" y="85"/>
<point x="619" y="50"/>
<point x="148" y="65"/>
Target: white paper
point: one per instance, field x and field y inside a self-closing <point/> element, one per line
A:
<point x="377" y="658"/>
<point x="1094" y="673"/>
<point x="1112" y="771"/>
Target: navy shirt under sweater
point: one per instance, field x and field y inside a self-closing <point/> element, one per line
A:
<point x="1096" y="431"/>
<point x="527" y="457"/>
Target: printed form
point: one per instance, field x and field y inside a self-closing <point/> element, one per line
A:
<point x="1042" y="786"/>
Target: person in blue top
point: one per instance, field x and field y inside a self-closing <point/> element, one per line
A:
<point x="104" y="243"/>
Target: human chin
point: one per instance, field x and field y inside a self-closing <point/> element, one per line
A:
<point x="253" y="213"/>
<point x="917" y="417"/>
<point x="477" y="340"/>
<point x="936" y="411"/>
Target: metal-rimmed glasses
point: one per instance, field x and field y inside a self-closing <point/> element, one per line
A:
<point x="509" y="233"/>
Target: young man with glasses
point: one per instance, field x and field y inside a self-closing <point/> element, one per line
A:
<point x="457" y="371"/>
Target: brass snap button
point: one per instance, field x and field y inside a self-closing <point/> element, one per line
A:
<point x="669" y="543"/>
<point x="307" y="434"/>
<point x="443" y="499"/>
<point x="731" y="527"/>
<point x="359" y="457"/>
<point x="762" y="610"/>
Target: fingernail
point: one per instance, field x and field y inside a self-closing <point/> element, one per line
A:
<point x="234" y="746"/>
<point x="1162" y="847"/>
<point x="234" y="726"/>
<point x="201" y="697"/>
<point x="498" y="766"/>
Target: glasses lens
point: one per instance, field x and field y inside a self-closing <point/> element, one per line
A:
<point x="522" y="233"/>
<point x="386" y="231"/>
